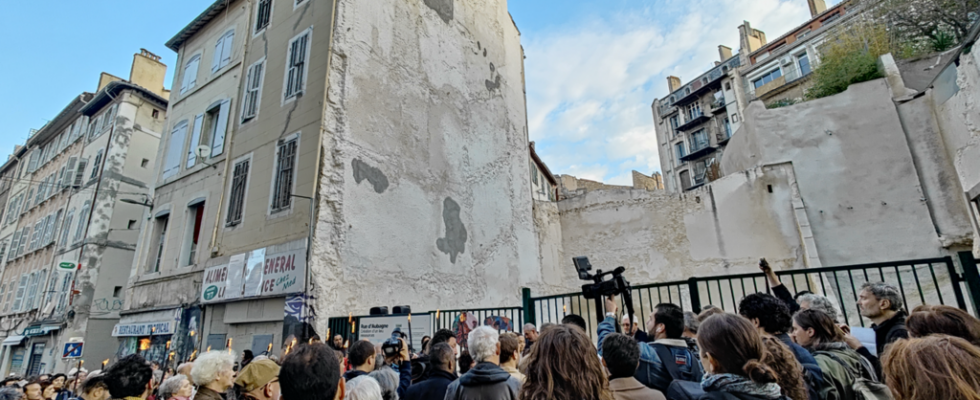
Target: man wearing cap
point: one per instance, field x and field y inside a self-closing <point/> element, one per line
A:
<point x="259" y="380"/>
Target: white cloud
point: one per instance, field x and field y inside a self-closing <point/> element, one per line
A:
<point x="590" y="85"/>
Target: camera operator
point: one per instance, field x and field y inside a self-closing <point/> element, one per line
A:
<point x="666" y="324"/>
<point x="401" y="362"/>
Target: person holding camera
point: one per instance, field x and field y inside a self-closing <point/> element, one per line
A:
<point x="668" y="358"/>
<point x="398" y="358"/>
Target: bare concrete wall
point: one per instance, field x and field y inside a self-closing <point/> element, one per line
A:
<point x="722" y="228"/>
<point x="424" y="189"/>
<point x="855" y="171"/>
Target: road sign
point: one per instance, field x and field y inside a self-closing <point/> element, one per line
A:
<point x="72" y="350"/>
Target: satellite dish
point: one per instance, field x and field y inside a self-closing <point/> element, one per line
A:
<point x="203" y="151"/>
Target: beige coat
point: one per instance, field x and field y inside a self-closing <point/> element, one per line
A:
<point x="632" y="389"/>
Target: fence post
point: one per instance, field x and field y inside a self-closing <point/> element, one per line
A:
<point x="972" y="278"/>
<point x="528" y="304"/>
<point x="692" y="287"/>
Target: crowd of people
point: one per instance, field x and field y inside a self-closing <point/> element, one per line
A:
<point x="777" y="347"/>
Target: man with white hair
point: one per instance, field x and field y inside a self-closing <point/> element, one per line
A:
<point x="634" y="329"/>
<point x="485" y="381"/>
<point x="530" y="336"/>
<point x="213" y="375"/>
<point x="363" y="388"/>
<point x="882" y="304"/>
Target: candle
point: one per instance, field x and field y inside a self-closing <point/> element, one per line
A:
<point x="437" y="313"/>
<point x="209" y="348"/>
<point x="564" y="308"/>
<point x="347" y="343"/>
<point x="193" y="355"/>
<point x="104" y="363"/>
<point x="168" y="345"/>
<point x="171" y="355"/>
<point x="352" y="328"/>
<point x="311" y="341"/>
<point x="192" y="333"/>
<point x="269" y="350"/>
<point x="350" y="317"/>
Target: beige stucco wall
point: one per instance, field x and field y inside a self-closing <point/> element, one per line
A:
<point x="426" y="105"/>
<point x="856" y="174"/>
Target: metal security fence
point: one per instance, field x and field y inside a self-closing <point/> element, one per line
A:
<point x="926" y="281"/>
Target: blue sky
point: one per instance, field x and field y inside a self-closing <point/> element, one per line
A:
<point x="593" y="67"/>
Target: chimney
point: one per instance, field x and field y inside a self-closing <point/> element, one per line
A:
<point x="673" y="83"/>
<point x="817" y="7"/>
<point x="148" y="72"/>
<point x="750" y="38"/>
<point x="724" y="52"/>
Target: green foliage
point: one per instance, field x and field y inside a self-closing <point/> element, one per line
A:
<point x="850" y="56"/>
<point x="942" y="41"/>
<point x="782" y="103"/>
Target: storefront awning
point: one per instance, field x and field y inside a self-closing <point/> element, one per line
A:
<point x="13" y="340"/>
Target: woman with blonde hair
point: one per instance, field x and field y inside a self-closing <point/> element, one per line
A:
<point x="563" y="365"/>
<point x="934" y="367"/>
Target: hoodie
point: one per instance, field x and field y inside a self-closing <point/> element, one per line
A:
<point x="485" y="381"/>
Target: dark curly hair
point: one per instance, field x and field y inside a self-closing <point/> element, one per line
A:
<point x="128" y="377"/>
<point x="773" y="315"/>
<point x="311" y="372"/>
<point x="441" y="336"/>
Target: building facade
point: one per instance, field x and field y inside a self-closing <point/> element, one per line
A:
<point x="297" y="121"/>
<point x="74" y="240"/>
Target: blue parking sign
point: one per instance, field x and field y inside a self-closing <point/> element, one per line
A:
<point x="72" y="350"/>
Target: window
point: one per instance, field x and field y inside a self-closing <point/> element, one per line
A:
<point x="66" y="227"/>
<point x="105" y="121"/>
<point x="33" y="163"/>
<point x="263" y="16"/>
<point x="82" y="221"/>
<point x="35" y="234"/>
<point x="675" y="122"/>
<point x="803" y="60"/>
<point x="145" y="163"/>
<point x="296" y="60"/>
<point x="679" y="149"/>
<point x="694" y="110"/>
<point x="253" y="90"/>
<point x="116" y="291"/>
<point x="728" y="128"/>
<point x="699" y="140"/>
<point x="189" y="78"/>
<point x="156" y="113"/>
<point x="830" y="19"/>
<point x="68" y="175"/>
<point x="80" y="172"/>
<point x="195" y="219"/>
<point x="222" y="51"/>
<point x="48" y="234"/>
<point x="21" y="288"/>
<point x="728" y="86"/>
<point x="3" y="252"/>
<point x="215" y="126"/>
<point x="65" y="291"/>
<point x="769" y="77"/>
<point x="282" y="189"/>
<point x="96" y="165"/>
<point x="161" y="240"/>
<point x="803" y="34"/>
<point x="171" y="162"/>
<point x="49" y="293"/>
<point x="131" y="225"/>
<point x="31" y="293"/>
<point x="35" y="301"/>
<point x="23" y="240"/>
<point x="236" y="201"/>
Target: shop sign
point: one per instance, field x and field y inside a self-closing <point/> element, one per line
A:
<point x="39" y="330"/>
<point x="143" y="329"/>
<point x="270" y="271"/>
<point x="67" y="265"/>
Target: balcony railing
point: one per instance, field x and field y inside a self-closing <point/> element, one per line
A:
<point x="699" y="142"/>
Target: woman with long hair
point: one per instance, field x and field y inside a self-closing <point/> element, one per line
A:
<point x="841" y="365"/>
<point x="789" y="371"/>
<point x="563" y="365"/>
<point x="933" y="367"/>
<point x="734" y="357"/>
<point x="928" y="320"/>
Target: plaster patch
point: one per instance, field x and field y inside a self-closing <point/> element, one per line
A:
<point x="373" y="175"/>
<point x="442" y="7"/>
<point x="455" y="241"/>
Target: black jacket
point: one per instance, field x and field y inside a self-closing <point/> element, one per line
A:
<point x="354" y="373"/>
<point x="890" y="331"/>
<point x="433" y="388"/>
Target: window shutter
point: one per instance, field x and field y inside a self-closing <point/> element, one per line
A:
<point x="66" y="227"/>
<point x="14" y="242"/>
<point x="69" y="172"/>
<point x="226" y="48"/>
<point x="195" y="140"/>
<point x="49" y="229"/>
<point x="80" y="172"/>
<point x="216" y="58"/>
<point x="32" y="164"/>
<point x="21" y="287"/>
<point x="97" y="164"/>
<point x="218" y="140"/>
<point x="171" y="164"/>
<point x="248" y="99"/>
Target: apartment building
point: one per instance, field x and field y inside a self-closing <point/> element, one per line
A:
<point x="9" y="179"/>
<point x="779" y="72"/>
<point x="316" y="150"/>
<point x="695" y="122"/>
<point x="74" y="238"/>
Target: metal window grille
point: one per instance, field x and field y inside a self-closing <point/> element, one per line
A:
<point x="285" y="168"/>
<point x="236" y="203"/>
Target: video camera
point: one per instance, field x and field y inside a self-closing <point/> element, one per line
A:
<point x="601" y="288"/>
<point x="393" y="346"/>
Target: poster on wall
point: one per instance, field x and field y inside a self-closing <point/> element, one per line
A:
<point x="236" y="266"/>
<point x="378" y="329"/>
<point x="253" y="272"/>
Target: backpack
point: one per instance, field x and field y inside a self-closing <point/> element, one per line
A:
<point x="866" y="385"/>
<point x="684" y="386"/>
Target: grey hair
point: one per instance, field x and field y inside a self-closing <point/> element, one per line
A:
<point x="363" y="388"/>
<point x="379" y="360"/>
<point x="819" y="303"/>
<point x="388" y="381"/>
<point x="9" y="393"/>
<point x="691" y="322"/>
<point x="483" y="343"/>
<point x="884" y="291"/>
<point x="529" y="327"/>
<point x="171" y="386"/>
<point x="209" y="364"/>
